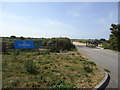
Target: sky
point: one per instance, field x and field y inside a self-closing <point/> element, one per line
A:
<point x="75" y="20"/>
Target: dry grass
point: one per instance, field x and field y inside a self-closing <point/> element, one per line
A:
<point x="54" y="70"/>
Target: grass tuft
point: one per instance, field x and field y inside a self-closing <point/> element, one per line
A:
<point x="107" y="70"/>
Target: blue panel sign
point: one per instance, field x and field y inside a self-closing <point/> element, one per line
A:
<point x="22" y="44"/>
<point x="37" y="44"/>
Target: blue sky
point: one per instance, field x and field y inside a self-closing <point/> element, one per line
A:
<point x="78" y="20"/>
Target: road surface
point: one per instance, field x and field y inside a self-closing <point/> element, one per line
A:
<point x="105" y="59"/>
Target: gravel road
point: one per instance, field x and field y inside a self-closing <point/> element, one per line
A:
<point x="105" y="59"/>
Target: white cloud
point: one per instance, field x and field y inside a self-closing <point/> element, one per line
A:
<point x="33" y="27"/>
<point x="109" y="19"/>
<point x="9" y="29"/>
<point x="54" y="23"/>
<point x="57" y="24"/>
<point x="7" y="15"/>
<point x="35" y="21"/>
<point x="79" y="9"/>
<point x="105" y="23"/>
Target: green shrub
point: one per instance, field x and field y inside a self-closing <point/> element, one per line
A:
<point x="107" y="70"/>
<point x="88" y="69"/>
<point x="13" y="84"/>
<point x="72" y="61"/>
<point x="70" y="67"/>
<point x="67" y="66"/>
<point x="81" y="59"/>
<point x="57" y="83"/>
<point x="44" y="62"/>
<point x="16" y="52"/>
<point x="55" y="70"/>
<point x="60" y="44"/>
<point x="77" y="75"/>
<point x="78" y="53"/>
<point x="87" y="75"/>
<point x="42" y="52"/>
<point x="73" y="68"/>
<point x="89" y="80"/>
<point x="17" y="60"/>
<point x="89" y="62"/>
<point x="30" y="67"/>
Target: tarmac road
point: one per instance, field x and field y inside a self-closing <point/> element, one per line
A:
<point x="105" y="59"/>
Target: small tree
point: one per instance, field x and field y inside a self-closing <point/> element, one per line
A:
<point x="115" y="37"/>
<point x="22" y="38"/>
<point x="102" y="39"/>
<point x="13" y="36"/>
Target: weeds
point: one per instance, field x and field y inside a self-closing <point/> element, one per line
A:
<point x="13" y="83"/>
<point x="34" y="67"/>
<point x="89" y="80"/>
<point x="44" y="61"/>
<point x="57" y="83"/>
<point x="107" y="70"/>
<point x="89" y="62"/>
<point x="30" y="67"/>
<point x="77" y="75"/>
<point x="82" y="59"/>
<point x="55" y="70"/>
<point x="17" y="60"/>
<point x="70" y="67"/>
<point x="75" y="62"/>
<point x="16" y="52"/>
<point x="88" y="69"/>
<point x="42" y="52"/>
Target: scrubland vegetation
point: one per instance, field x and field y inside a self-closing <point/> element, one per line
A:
<point x="49" y="67"/>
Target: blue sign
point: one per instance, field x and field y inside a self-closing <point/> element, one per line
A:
<point x="22" y="44"/>
<point x="37" y="44"/>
